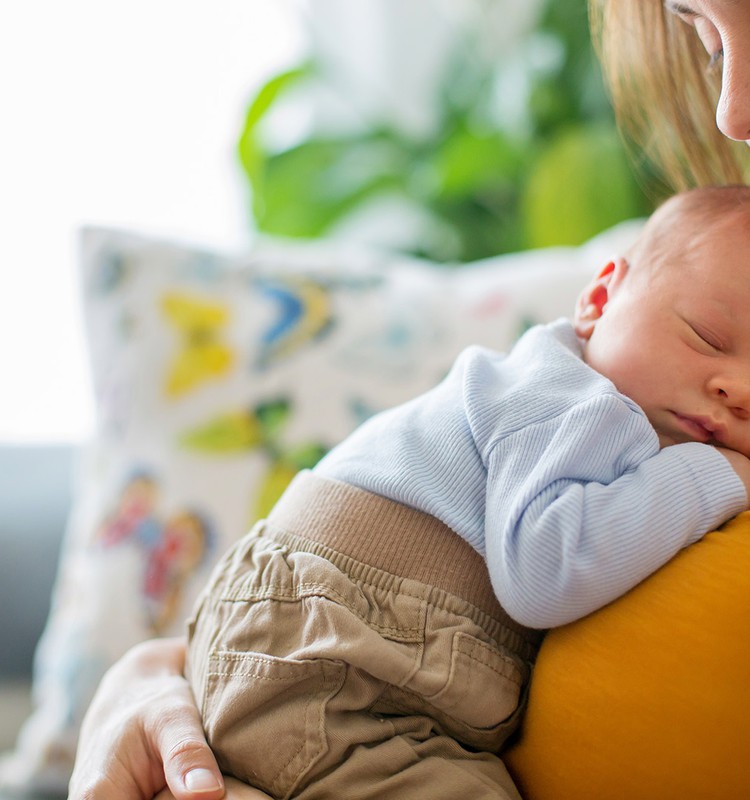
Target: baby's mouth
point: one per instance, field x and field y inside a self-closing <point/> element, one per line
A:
<point x="701" y="429"/>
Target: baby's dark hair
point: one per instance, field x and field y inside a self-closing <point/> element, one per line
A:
<point x="687" y="218"/>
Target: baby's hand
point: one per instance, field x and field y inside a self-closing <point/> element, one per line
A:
<point x="740" y="464"/>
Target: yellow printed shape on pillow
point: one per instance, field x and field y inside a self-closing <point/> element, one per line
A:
<point x="649" y="698"/>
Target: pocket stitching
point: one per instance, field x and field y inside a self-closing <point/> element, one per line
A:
<point x="466" y="651"/>
<point x="328" y="683"/>
<point x="239" y="657"/>
<point x="486" y="655"/>
<point x="331" y="675"/>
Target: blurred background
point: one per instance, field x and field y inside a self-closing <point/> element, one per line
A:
<point x="453" y="130"/>
<point x="449" y="129"/>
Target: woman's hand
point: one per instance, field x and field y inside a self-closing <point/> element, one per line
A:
<point x="235" y="791"/>
<point x="142" y="734"/>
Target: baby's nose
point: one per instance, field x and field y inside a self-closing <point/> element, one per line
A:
<point x="734" y="393"/>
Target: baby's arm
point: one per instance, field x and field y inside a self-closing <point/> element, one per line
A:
<point x="740" y="464"/>
<point x="596" y="507"/>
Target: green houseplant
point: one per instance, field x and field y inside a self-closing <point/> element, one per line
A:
<point x="523" y="150"/>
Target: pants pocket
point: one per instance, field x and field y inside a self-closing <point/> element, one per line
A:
<point x="270" y="731"/>
<point x="483" y="691"/>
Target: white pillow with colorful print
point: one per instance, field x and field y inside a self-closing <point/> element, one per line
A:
<point x="217" y="377"/>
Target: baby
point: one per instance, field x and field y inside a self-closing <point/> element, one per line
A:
<point x="375" y="636"/>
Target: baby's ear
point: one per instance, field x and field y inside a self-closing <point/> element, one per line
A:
<point x="596" y="294"/>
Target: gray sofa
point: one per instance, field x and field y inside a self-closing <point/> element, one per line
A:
<point x="35" y="496"/>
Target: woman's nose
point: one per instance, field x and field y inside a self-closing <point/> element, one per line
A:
<point x="733" y="108"/>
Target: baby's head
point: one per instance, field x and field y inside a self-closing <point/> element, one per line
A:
<point x="669" y="323"/>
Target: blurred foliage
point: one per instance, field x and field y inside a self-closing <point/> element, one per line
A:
<point x="557" y="179"/>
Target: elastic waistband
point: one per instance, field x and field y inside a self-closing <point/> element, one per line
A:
<point x="391" y="537"/>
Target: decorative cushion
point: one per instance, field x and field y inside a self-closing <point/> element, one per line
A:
<point x="649" y="697"/>
<point x="217" y="377"/>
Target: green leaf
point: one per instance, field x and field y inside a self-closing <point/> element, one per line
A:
<point x="580" y="185"/>
<point x="249" y="148"/>
<point x="308" y="188"/>
<point x="470" y="162"/>
<point x="269" y="93"/>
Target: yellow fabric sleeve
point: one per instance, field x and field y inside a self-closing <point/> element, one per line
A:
<point x="649" y="697"/>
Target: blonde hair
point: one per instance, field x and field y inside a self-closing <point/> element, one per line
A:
<point x="663" y="94"/>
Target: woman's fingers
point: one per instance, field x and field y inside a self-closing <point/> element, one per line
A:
<point x="190" y="768"/>
<point x="142" y="732"/>
<point x="143" y="737"/>
<point x="235" y="790"/>
<point x="172" y="725"/>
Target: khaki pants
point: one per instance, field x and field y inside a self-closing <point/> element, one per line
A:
<point x="321" y="675"/>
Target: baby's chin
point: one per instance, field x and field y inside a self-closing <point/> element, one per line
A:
<point x="667" y="440"/>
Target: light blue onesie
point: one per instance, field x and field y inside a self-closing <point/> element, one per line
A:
<point x="550" y="473"/>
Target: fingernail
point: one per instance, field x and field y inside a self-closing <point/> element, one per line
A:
<point x="201" y="780"/>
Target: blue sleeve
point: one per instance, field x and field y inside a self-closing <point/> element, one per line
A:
<point x="583" y="507"/>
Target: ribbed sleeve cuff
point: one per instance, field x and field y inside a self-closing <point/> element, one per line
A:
<point x="716" y="490"/>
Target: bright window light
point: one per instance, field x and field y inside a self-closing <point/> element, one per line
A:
<point x="122" y="114"/>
